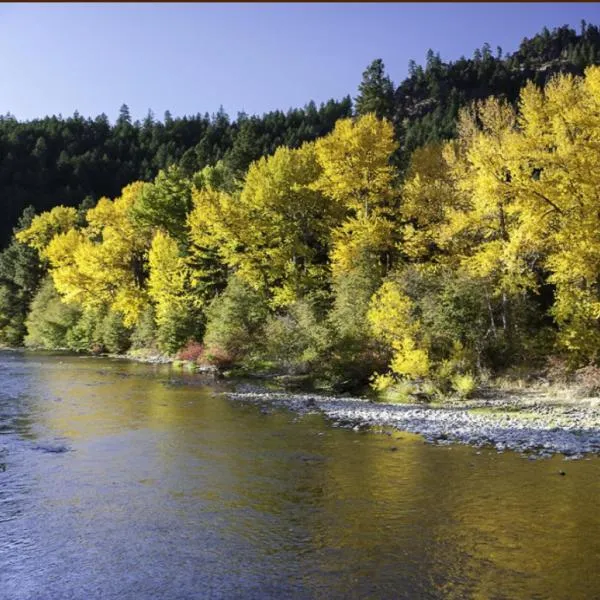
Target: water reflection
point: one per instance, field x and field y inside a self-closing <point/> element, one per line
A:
<point x="171" y="491"/>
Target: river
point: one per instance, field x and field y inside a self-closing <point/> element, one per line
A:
<point x="127" y="481"/>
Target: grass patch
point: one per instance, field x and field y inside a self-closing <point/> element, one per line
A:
<point x="526" y="415"/>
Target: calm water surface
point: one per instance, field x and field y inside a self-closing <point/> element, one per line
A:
<point x="123" y="481"/>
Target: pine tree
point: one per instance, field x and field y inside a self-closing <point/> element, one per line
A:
<point x="376" y="92"/>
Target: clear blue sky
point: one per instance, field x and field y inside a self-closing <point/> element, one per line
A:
<point x="189" y="58"/>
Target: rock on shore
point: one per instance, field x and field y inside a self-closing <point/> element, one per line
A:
<point x="534" y="426"/>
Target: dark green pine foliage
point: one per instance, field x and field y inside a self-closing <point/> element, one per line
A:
<point x="56" y="160"/>
<point x="261" y="136"/>
<point x="375" y="92"/>
<point x="20" y="275"/>
<point x="426" y="104"/>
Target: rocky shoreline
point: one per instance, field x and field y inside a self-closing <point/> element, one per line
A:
<point x="537" y="425"/>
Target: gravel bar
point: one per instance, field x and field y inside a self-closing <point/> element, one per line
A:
<point x="538" y="427"/>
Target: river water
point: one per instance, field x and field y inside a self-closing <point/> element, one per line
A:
<point x="126" y="481"/>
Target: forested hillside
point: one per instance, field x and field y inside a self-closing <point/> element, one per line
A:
<point x="424" y="107"/>
<point x="348" y="256"/>
<point x="56" y="160"/>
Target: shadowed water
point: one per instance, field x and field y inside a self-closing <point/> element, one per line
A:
<point x="123" y="481"/>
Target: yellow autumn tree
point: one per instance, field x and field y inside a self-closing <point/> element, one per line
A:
<point x="355" y="162"/>
<point x="481" y="224"/>
<point x="516" y="199"/>
<point x="274" y="235"/>
<point x="463" y="212"/>
<point x="427" y="193"/>
<point x="209" y="235"/>
<point x="104" y="264"/>
<point x="45" y="226"/>
<point x="357" y="174"/>
<point x="168" y="288"/>
<point x="392" y="318"/>
<point x="557" y="182"/>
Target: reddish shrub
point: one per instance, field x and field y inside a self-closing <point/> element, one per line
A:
<point x="557" y="369"/>
<point x="192" y="351"/>
<point x="588" y="378"/>
<point x="97" y="349"/>
<point x="219" y="357"/>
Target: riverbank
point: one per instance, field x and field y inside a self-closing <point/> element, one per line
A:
<point x="534" y="422"/>
<point x="538" y="420"/>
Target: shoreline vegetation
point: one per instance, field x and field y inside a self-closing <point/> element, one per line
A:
<point x="425" y="267"/>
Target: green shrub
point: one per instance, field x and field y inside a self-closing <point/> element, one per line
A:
<point x="86" y="334"/>
<point x="294" y="340"/>
<point x="352" y="354"/>
<point x="115" y="336"/>
<point x="144" y="333"/>
<point x="235" y="319"/>
<point x="50" y="319"/>
<point x="402" y="391"/>
<point x="174" y="330"/>
<point x="450" y="322"/>
<point x="12" y="316"/>
<point x="431" y="390"/>
<point x="352" y="295"/>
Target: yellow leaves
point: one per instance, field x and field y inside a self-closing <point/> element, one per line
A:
<point x="112" y="220"/>
<point x="62" y="247"/>
<point x="271" y="232"/>
<point x="518" y="194"/>
<point x="167" y="268"/>
<point x="461" y="200"/>
<point x="559" y="206"/>
<point x="277" y="234"/>
<point x="427" y="194"/>
<point x="357" y="176"/>
<point x="408" y="360"/>
<point x="496" y="117"/>
<point x="355" y="161"/>
<point x="169" y="276"/>
<point x="280" y="215"/>
<point x="45" y="226"/>
<point x="64" y="253"/>
<point x="92" y="275"/>
<point x="209" y="219"/>
<point x="391" y="320"/>
<point x="130" y="301"/>
<point x="381" y="382"/>
<point x="533" y="118"/>
<point x="390" y="313"/>
<point x="427" y="189"/>
<point x="101" y="265"/>
<point x="358" y="241"/>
